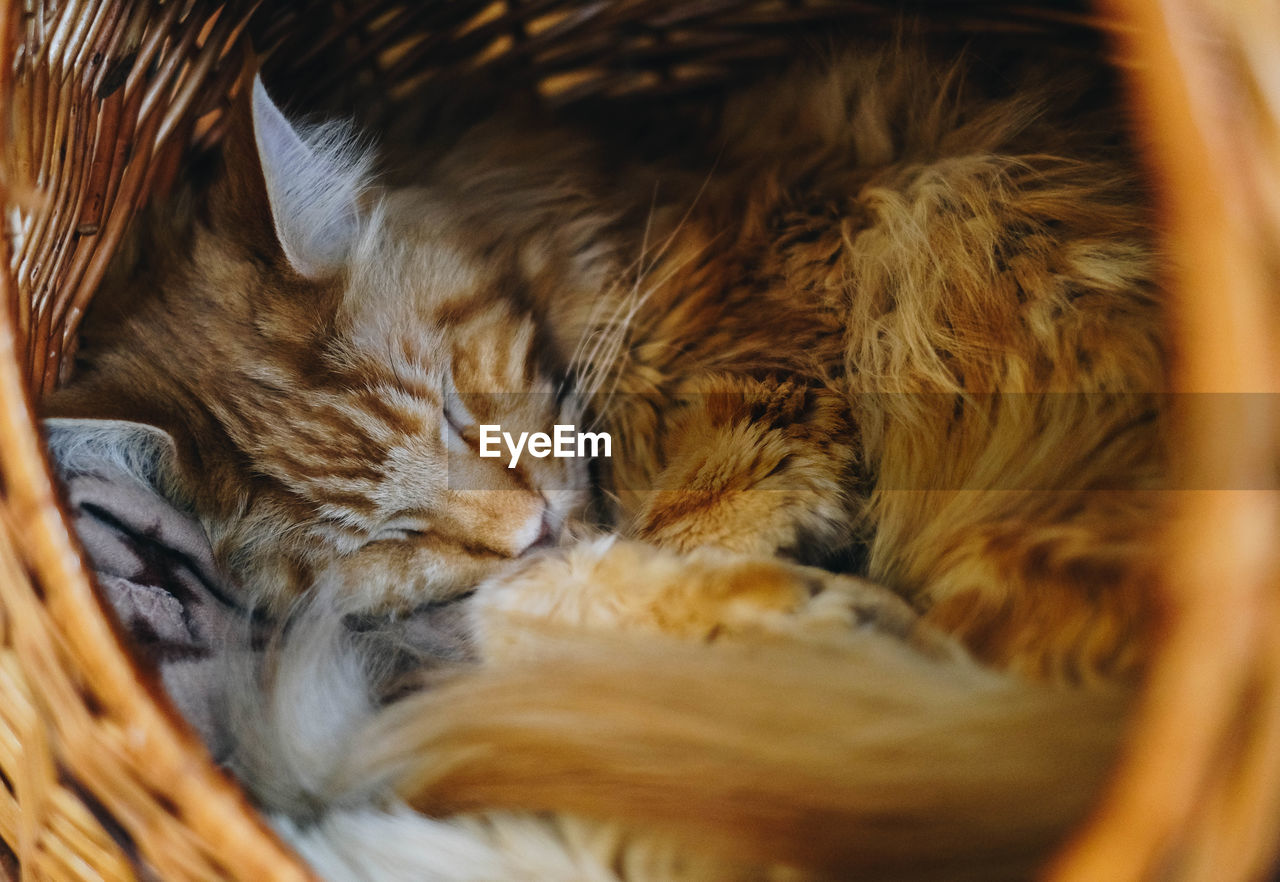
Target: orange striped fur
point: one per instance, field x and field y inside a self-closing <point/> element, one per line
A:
<point x="888" y="316"/>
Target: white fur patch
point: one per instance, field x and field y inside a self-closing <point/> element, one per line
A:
<point x="394" y="844"/>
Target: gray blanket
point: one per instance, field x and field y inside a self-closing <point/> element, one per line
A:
<point x="155" y="568"/>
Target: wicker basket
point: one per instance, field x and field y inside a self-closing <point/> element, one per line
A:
<point x="104" y="98"/>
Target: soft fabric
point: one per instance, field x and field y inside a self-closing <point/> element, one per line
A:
<point x="155" y="568"/>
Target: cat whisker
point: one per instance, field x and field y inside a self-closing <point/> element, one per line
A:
<point x="616" y="360"/>
<point x="600" y="303"/>
<point x="601" y="368"/>
<point x="605" y="336"/>
<point x="601" y="332"/>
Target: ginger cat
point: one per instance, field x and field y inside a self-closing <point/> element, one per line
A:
<point x="892" y="319"/>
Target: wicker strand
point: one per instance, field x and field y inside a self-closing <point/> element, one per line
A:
<point x="109" y="86"/>
<point x="98" y="776"/>
<point x="104" y="98"/>
<point x="1199" y="789"/>
<point x="107" y="777"/>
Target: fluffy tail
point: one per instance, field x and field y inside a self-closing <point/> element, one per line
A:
<point x="871" y="760"/>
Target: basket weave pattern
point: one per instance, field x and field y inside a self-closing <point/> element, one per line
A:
<point x="102" y="100"/>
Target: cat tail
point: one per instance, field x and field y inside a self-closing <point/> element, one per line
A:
<point x="299" y="705"/>
<point x="872" y="761"/>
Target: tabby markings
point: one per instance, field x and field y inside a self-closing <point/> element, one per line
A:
<point x="565" y="443"/>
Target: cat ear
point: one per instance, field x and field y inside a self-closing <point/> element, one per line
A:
<point x="313" y="183"/>
<point x="112" y="448"/>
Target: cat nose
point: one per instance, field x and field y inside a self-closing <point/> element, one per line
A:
<point x="546" y="535"/>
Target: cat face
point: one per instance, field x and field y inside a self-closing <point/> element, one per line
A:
<point x="427" y="343"/>
<point x="324" y="363"/>
<point x="409" y="506"/>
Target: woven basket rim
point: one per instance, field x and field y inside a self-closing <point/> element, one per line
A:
<point x="101" y="752"/>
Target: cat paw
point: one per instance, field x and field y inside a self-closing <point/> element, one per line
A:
<point x="750" y="466"/>
<point x="706" y="595"/>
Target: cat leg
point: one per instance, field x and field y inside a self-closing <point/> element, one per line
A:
<point x="754" y="466"/>
<point x="704" y="595"/>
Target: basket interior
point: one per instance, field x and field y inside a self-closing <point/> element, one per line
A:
<point x="109" y="102"/>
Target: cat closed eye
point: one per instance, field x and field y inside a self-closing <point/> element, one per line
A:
<point x="396" y="534"/>
<point x="402" y="527"/>
<point x="456" y="414"/>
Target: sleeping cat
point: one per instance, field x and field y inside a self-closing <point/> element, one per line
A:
<point x="887" y="317"/>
